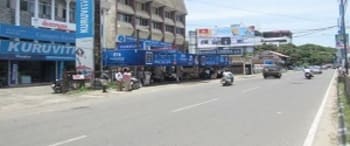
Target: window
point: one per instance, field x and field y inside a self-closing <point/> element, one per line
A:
<point x="72" y="13"/>
<point x="179" y="18"/>
<point x="180" y="31"/>
<point x="168" y="15"/>
<point x="157" y="11"/>
<point x="8" y="3"/>
<point x="27" y="5"/>
<point x="125" y="18"/>
<point x="44" y="9"/>
<point x="157" y="25"/>
<point x="125" y="2"/>
<point x="142" y="6"/>
<point x="142" y="22"/>
<point x="169" y="28"/>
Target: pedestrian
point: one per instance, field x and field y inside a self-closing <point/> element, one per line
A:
<point x="127" y="79"/>
<point x="119" y="80"/>
<point x="104" y="81"/>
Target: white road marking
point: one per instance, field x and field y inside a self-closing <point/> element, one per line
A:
<point x="194" y="105"/>
<point x="250" y="90"/>
<point x="314" y="127"/>
<point x="69" y="140"/>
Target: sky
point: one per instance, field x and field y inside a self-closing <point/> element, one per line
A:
<point x="299" y="16"/>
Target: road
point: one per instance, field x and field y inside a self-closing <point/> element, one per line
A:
<point x="253" y="112"/>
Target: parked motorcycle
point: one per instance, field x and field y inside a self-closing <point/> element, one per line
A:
<point x="135" y="83"/>
<point x="308" y="76"/>
<point x="57" y="86"/>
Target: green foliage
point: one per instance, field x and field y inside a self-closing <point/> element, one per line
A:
<point x="309" y="54"/>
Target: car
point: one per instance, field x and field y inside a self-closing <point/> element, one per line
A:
<point x="272" y="70"/>
<point x="316" y="69"/>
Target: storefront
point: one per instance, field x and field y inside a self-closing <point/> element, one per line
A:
<point x="30" y="55"/>
<point x="25" y="63"/>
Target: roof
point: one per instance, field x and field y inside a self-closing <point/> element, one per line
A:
<point x="178" y="5"/>
<point x="278" y="54"/>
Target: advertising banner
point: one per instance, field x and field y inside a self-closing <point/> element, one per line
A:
<point x="85" y="13"/>
<point x="339" y="39"/>
<point x="125" y="57"/>
<point x="36" y="51"/>
<point x="204" y="32"/>
<point x="45" y="23"/>
<point x="32" y="33"/>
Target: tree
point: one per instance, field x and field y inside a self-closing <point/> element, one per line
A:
<point x="308" y="54"/>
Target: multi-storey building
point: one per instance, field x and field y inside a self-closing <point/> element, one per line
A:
<point x="161" y="22"/>
<point x="279" y="37"/>
<point x="36" y="40"/>
<point x="37" y="36"/>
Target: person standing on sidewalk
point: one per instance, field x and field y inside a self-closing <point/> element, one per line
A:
<point x="119" y="80"/>
<point x="127" y="79"/>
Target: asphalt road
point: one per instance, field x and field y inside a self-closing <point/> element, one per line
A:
<point x="253" y="112"/>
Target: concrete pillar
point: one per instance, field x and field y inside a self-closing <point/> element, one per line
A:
<point x="18" y="13"/>
<point x="68" y="10"/>
<point x="53" y="13"/>
<point x="36" y="8"/>
<point x="109" y="23"/>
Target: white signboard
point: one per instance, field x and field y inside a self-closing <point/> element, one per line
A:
<point x="84" y="59"/>
<point x="45" y="23"/>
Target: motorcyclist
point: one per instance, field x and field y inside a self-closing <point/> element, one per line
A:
<point x="308" y="71"/>
<point x="227" y="75"/>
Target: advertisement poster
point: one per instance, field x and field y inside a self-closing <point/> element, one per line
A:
<point x="85" y="37"/>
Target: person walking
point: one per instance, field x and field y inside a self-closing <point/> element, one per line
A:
<point x="119" y="80"/>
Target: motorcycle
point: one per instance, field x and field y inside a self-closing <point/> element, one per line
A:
<point x="227" y="81"/>
<point x="135" y="83"/>
<point x="308" y="76"/>
<point x="57" y="86"/>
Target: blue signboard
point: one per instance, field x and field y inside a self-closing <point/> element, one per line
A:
<point x="85" y="18"/>
<point x="237" y="52"/>
<point x="35" y="51"/>
<point x="124" y="57"/>
<point x="11" y="31"/>
<point x="164" y="58"/>
<point x="125" y="42"/>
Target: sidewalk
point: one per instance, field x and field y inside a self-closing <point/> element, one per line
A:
<point x="328" y="127"/>
<point x="12" y="99"/>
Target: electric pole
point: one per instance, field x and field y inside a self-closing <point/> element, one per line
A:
<point x="343" y="33"/>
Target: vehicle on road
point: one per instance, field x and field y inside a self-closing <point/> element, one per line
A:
<point x="308" y="75"/>
<point x="316" y="69"/>
<point x="227" y="79"/>
<point x="272" y="71"/>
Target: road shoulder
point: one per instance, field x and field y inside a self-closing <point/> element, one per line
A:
<point x="327" y="131"/>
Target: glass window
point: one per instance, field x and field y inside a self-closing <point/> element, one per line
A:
<point x="157" y="25"/>
<point x="72" y="13"/>
<point x="125" y="18"/>
<point x="44" y="9"/>
<point x="142" y="22"/>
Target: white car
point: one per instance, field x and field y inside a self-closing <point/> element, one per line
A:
<point x="316" y="69"/>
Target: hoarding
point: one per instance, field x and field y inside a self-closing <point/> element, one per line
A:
<point x="85" y="37"/>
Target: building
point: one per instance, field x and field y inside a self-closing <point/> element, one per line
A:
<point x="36" y="40"/>
<point x="155" y="23"/>
<point x="279" y="37"/>
<point x="37" y="37"/>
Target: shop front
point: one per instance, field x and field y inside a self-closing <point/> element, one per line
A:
<point x="23" y="63"/>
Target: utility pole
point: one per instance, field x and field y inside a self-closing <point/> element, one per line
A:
<point x="343" y="33"/>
